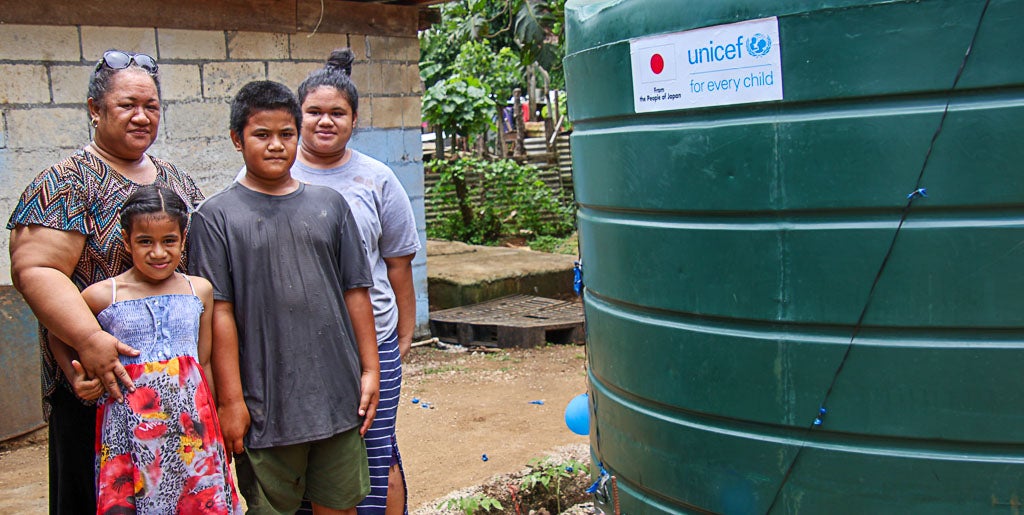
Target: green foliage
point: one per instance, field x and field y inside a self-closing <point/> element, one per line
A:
<point x="524" y="32"/>
<point x="537" y="22"/>
<point x="485" y="200"/>
<point x="473" y="503"/>
<point x="501" y="70"/>
<point x="460" y="105"/>
<point x="545" y="472"/>
<point x="563" y="112"/>
<point x="545" y="243"/>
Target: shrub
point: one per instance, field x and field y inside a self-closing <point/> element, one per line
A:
<point x="481" y="200"/>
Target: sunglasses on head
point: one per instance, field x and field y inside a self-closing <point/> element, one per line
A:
<point x="118" y="60"/>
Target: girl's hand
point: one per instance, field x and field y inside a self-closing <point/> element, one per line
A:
<point x="85" y="388"/>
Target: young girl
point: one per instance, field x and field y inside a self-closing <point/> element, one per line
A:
<point x="161" y="450"/>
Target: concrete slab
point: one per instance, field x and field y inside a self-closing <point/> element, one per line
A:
<point x="459" y="274"/>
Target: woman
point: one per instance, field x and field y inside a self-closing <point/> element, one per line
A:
<point x="330" y="108"/>
<point x="65" y="236"/>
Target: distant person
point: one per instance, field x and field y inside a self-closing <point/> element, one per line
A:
<point x="294" y="358"/>
<point x="383" y="214"/>
<point x="65" y="237"/>
<point x="161" y="451"/>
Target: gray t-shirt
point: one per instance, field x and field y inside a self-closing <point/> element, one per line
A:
<point x="384" y="216"/>
<point x="285" y="262"/>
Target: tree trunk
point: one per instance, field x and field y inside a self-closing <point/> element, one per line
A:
<point x="438" y="142"/>
<point x="519" y="151"/>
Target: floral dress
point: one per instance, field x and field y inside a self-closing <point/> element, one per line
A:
<point x="161" y="451"/>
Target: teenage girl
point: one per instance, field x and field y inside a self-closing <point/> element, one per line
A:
<point x="161" y="450"/>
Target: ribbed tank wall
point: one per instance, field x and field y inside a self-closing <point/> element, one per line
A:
<point x="730" y="250"/>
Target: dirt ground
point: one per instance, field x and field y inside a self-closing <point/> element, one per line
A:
<point x="478" y="404"/>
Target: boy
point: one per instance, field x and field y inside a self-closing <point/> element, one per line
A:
<point x="295" y="351"/>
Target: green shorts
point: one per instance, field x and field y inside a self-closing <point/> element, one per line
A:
<point x="332" y="472"/>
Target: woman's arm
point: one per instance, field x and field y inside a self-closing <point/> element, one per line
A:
<point x="400" y="277"/>
<point x="360" y="311"/>
<point x="42" y="261"/>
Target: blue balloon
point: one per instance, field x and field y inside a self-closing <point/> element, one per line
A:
<point x="577" y="415"/>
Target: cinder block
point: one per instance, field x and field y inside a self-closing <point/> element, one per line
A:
<point x="38" y="43"/>
<point x="392" y="78"/>
<point x="411" y="176"/>
<point x="195" y="120"/>
<point x="290" y="74"/>
<point x="412" y="142"/>
<point x="223" y="80"/>
<point x="404" y="146"/>
<point x="47" y="127"/>
<point x="369" y="78"/>
<point x="365" y="112"/>
<point x="357" y="42"/>
<point x="192" y="44"/>
<point x="96" y="40"/>
<point x="392" y="48"/>
<point x="23" y="84"/>
<point x="411" y="116"/>
<point x="212" y="162"/>
<point x="180" y="82"/>
<point x="21" y="167"/>
<point x="387" y="112"/>
<point x="405" y="49"/>
<point x="70" y="83"/>
<point x="316" y="47"/>
<point x="376" y="48"/>
<point x="372" y="142"/>
<point x="411" y="82"/>
<point x="257" y="45"/>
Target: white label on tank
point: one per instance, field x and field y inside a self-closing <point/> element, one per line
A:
<point x="721" y="65"/>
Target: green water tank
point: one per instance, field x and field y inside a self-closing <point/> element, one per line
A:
<point x="754" y="251"/>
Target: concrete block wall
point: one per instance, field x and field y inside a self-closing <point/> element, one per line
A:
<point x="44" y="73"/>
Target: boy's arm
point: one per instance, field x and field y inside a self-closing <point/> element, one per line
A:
<point x="360" y="311"/>
<point x="400" y="277"/>
<point x="204" y="290"/>
<point x="234" y="415"/>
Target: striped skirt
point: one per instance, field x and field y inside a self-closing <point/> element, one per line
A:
<point x="381" y="445"/>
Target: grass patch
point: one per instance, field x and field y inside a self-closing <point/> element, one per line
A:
<point x="443" y="369"/>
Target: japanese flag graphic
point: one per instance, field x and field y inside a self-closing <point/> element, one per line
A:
<point x="657" y="63"/>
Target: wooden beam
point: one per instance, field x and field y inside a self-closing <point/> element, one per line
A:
<point x="287" y="16"/>
<point x="345" y="17"/>
<point x="255" y="15"/>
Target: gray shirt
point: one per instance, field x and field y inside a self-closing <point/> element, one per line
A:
<point x="285" y="262"/>
<point x="384" y="215"/>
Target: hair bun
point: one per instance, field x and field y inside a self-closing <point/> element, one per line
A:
<point x="341" y="59"/>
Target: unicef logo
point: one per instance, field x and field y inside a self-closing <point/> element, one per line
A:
<point x="759" y="45"/>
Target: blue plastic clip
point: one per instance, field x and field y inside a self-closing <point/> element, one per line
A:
<point x="484" y="457"/>
<point x="577" y="277"/>
<point x="920" y="192"/>
<point x="820" y="418"/>
<point x="415" y="400"/>
<point x="599" y="484"/>
<point x="539" y="403"/>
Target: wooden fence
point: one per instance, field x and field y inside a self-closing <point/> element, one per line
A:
<point x="555" y="171"/>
